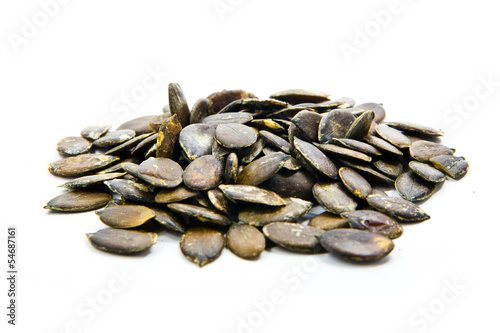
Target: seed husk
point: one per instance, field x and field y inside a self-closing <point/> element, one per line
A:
<point x="94" y="132"/>
<point x="454" y="166"/>
<point x="343" y="152"/>
<point x="115" y="138"/>
<point x="122" y="241"/>
<point x="316" y="158"/>
<point x="259" y="215"/>
<point x="197" y="140"/>
<point x="377" y="109"/>
<point x="334" y="197"/>
<point x="80" y="165"/>
<point x="413" y="188"/>
<point x="231" y="168"/>
<point x="251" y="194"/>
<point x="390" y="166"/>
<point x="245" y="241"/>
<point x="423" y="150"/>
<point x="294" y="237"/>
<point x="129" y="190"/>
<point x="415" y="128"/>
<point x="204" y="173"/>
<point x="297" y="184"/>
<point x="228" y="118"/>
<point x="93" y="180"/>
<point x="139" y="125"/>
<point x="261" y="169"/>
<point x="359" y="146"/>
<point x="180" y="193"/>
<point x="79" y="201"/>
<point x="168" y="136"/>
<point x="235" y="136"/>
<point x="270" y="125"/>
<point x="393" y="136"/>
<point x="383" y="145"/>
<point x="361" y="126"/>
<point x="127" y="145"/>
<point x="368" y="171"/>
<point x="156" y="121"/>
<point x="199" y="111"/>
<point x="73" y="145"/>
<point x="202" y="214"/>
<point x="145" y="144"/>
<point x="328" y="221"/>
<point x="308" y="123"/>
<point x="161" y="172"/>
<point x="355" y="183"/>
<point x="126" y="216"/>
<point x="265" y="105"/>
<point x="356" y="245"/>
<point x="373" y="221"/>
<point x="219" y="100"/>
<point x="427" y="172"/>
<point x="296" y="96"/>
<point x="220" y="202"/>
<point x="168" y="220"/>
<point x="276" y="141"/>
<point x="202" y="245"/>
<point x="334" y="124"/>
<point x="345" y="102"/>
<point x="177" y="103"/>
<point x="401" y="209"/>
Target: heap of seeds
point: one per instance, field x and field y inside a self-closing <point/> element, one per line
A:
<point x="240" y="172"/>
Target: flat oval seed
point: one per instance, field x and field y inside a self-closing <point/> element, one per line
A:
<point x="199" y="111"/>
<point x="128" y="190"/>
<point x="359" y="146"/>
<point x="197" y="140"/>
<point x="308" y="123"/>
<point x="219" y="100"/>
<point x="343" y="152"/>
<point x="375" y="222"/>
<point x="245" y="241"/>
<point x="383" y="145"/>
<point x="252" y="194"/>
<point x="316" y="158"/>
<point x="275" y="141"/>
<point x="334" y="197"/>
<point x="124" y="217"/>
<point x="91" y="180"/>
<point x="392" y="135"/>
<point x="297" y="184"/>
<point x="79" y="165"/>
<point x="235" y="135"/>
<point x="73" y="145"/>
<point x="221" y="202"/>
<point x="94" y="132"/>
<point x="114" y="138"/>
<point x="398" y="208"/>
<point x="427" y="172"/>
<point x="79" y="201"/>
<point x="261" y="169"/>
<point x="455" y="166"/>
<point x="180" y="193"/>
<point x="356" y="245"/>
<point x="335" y="124"/>
<point x="177" y="103"/>
<point x="228" y="118"/>
<point x="415" y="128"/>
<point x="355" y="183"/>
<point x="202" y="245"/>
<point x="204" y="173"/>
<point x="296" y="96"/>
<point x="294" y="237"/>
<point x="345" y="102"/>
<point x="231" y="168"/>
<point x="168" y="220"/>
<point x="423" y="150"/>
<point x="161" y="172"/>
<point x="265" y="105"/>
<point x="203" y="214"/>
<point x="259" y="215"/>
<point x="139" y="125"/>
<point x="377" y="108"/>
<point x="389" y="166"/>
<point x="361" y="126"/>
<point x="156" y="121"/>
<point x="368" y="171"/>
<point x="413" y="188"/>
<point x="328" y="221"/>
<point x="122" y="241"/>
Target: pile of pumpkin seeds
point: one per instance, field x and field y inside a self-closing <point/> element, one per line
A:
<point x="241" y="172"/>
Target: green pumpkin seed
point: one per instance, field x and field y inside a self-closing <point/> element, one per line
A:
<point x="355" y="183"/>
<point x="251" y="194"/>
<point x="161" y="172"/>
<point x="235" y="136"/>
<point x="94" y="132"/>
<point x="177" y="194"/>
<point x="328" y="221"/>
<point x="177" y="104"/>
<point x="334" y="124"/>
<point x="296" y="184"/>
<point x="115" y="138"/>
<point x="361" y="126"/>
<point x="390" y="166"/>
<point x="377" y="109"/>
<point x="423" y="151"/>
<point x="228" y="118"/>
<point x="308" y="123"/>
<point x="199" y="111"/>
<point x="383" y="145"/>
<point x="296" y="96"/>
<point x="129" y="190"/>
<point x="202" y="214"/>
<point x="316" y="158"/>
<point x="343" y="152"/>
<point x="393" y="136"/>
<point x="197" y="140"/>
<point x="261" y="169"/>
<point x="88" y="181"/>
<point x="415" y="128"/>
<point x="169" y="220"/>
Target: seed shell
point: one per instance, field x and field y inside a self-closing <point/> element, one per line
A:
<point x="93" y="180"/>
<point x="413" y="188"/>
<point x="261" y="169"/>
<point x="177" y="103"/>
<point x="122" y="241"/>
<point x="203" y="214"/>
<point x="316" y="158"/>
<point x="168" y="135"/>
<point x="427" y="172"/>
<point x="202" y="245"/>
<point x="180" y="193"/>
<point x="126" y="216"/>
<point x="204" y="173"/>
<point x="251" y="194"/>
<point x="294" y="237"/>
<point x="79" y="201"/>
<point x="80" y="165"/>
<point x="454" y="166"/>
<point x="259" y="215"/>
<point x="423" y="150"/>
<point x="197" y="140"/>
<point x="334" y="197"/>
<point x="161" y="172"/>
<point x="245" y="241"/>
<point x="375" y="222"/>
<point x="393" y="136"/>
<point x="235" y="136"/>
<point x="401" y="209"/>
<point x="73" y="145"/>
<point x="328" y="221"/>
<point x="355" y="183"/>
<point x="111" y="139"/>
<point x="334" y="124"/>
<point x="94" y="132"/>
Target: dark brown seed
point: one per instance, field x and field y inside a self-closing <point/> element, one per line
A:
<point x="270" y="125"/>
<point x="177" y="103"/>
<point x="131" y="169"/>
<point x="253" y="151"/>
<point x="79" y="165"/>
<point x="296" y="184"/>
<point x="168" y="135"/>
<point x="118" y="167"/>
<point x="145" y="144"/>
<point x="126" y="216"/>
<point x="197" y="140"/>
<point x="199" y="111"/>
<point x="231" y="168"/>
<point x="294" y="237"/>
<point x="427" y="172"/>
<point x="361" y="126"/>
<point x="228" y="118"/>
<point x="259" y="215"/>
<point x="79" y="201"/>
<point x="355" y="183"/>
<point x="334" y="197"/>
<point x="203" y="214"/>
<point x="393" y="136"/>
<point x="219" y="100"/>
<point x="127" y="146"/>
<point x="328" y="221"/>
<point x="343" y="152"/>
<point x="454" y="166"/>
<point x="129" y="190"/>
<point x="73" y="145"/>
<point x="373" y="221"/>
<point x="276" y="141"/>
<point x="415" y="128"/>
<point x="423" y="150"/>
<point x="308" y="123"/>
<point x="261" y="169"/>
<point x="359" y="146"/>
<point x="367" y="171"/>
<point x="161" y="172"/>
<point x="202" y="245"/>
<point x="235" y="136"/>
<point x="383" y="145"/>
<point x="252" y="194"/>
<point x="316" y="158"/>
<point x="356" y="245"/>
<point x="168" y="219"/>
<point x="390" y="166"/>
<point x="345" y="102"/>
<point x="156" y="121"/>
<point x="266" y="105"/>
<point x="122" y="241"/>
<point x="289" y="112"/>
<point x="94" y="132"/>
<point x="296" y="96"/>
<point x="180" y="193"/>
<point x="88" y="181"/>
<point x="204" y="173"/>
<point x="245" y="241"/>
<point x="290" y="164"/>
<point x="334" y="124"/>
<point x="377" y="108"/>
<point x="401" y="209"/>
<point x="114" y="138"/>
<point x="219" y="151"/>
<point x="413" y="188"/>
<point x="221" y="202"/>
<point x="139" y="125"/>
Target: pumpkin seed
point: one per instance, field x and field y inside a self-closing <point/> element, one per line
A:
<point x="328" y="221"/>
<point x="197" y="140"/>
<point x="359" y="146"/>
<point x="73" y="145"/>
<point x="139" y="125"/>
<point x="168" y="220"/>
<point x="334" y="124"/>
<point x="111" y="139"/>
<point x="413" y="188"/>
<point x="180" y="193"/>
<point x="177" y="104"/>
<point x="355" y="183"/>
<point x="161" y="172"/>
<point x="252" y="194"/>
<point x="343" y="152"/>
<point x="427" y="172"/>
<point x="79" y="201"/>
<point x="127" y="145"/>
<point x="393" y="136"/>
<point x="297" y="184"/>
<point x="156" y="121"/>
<point x="415" y="128"/>
<point x="80" y="165"/>
<point x="202" y="214"/>
<point x="454" y="166"/>
<point x="401" y="209"/>
<point x="93" y="180"/>
<point x="94" y="132"/>
<point x="334" y="197"/>
<point x="202" y="245"/>
<point x="377" y="109"/>
<point x="204" y="173"/>
<point x="228" y="118"/>
<point x="361" y="126"/>
<point x="219" y="100"/>
<point x="389" y="166"/>
<point x="122" y="241"/>
<point x="261" y="169"/>
<point x="308" y="124"/>
<point x="235" y="135"/>
<point x="199" y="111"/>
<point x="423" y="150"/>
<point x="124" y="217"/>
<point x="245" y="241"/>
<point x="259" y="215"/>
<point x="266" y="105"/>
<point x="294" y="237"/>
<point x="129" y="190"/>
<point x="275" y="141"/>
<point x="221" y="202"/>
<point x="316" y="158"/>
<point x="383" y="145"/>
<point x="231" y="168"/>
<point x="168" y="136"/>
<point x="296" y="96"/>
<point x="373" y="221"/>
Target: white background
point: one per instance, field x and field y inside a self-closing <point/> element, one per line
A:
<point x="72" y="71"/>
